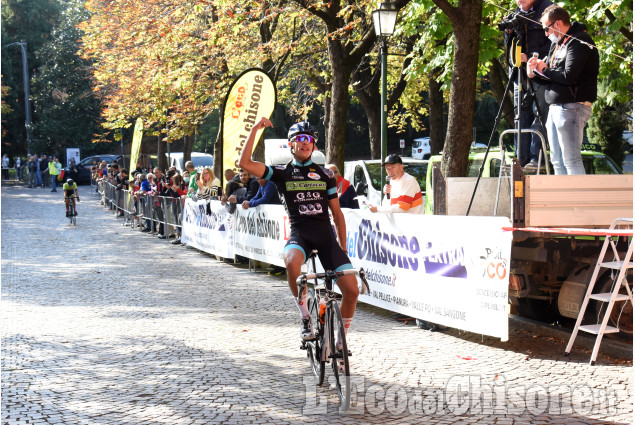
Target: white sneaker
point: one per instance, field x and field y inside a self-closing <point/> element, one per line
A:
<point x="307" y="330"/>
<point x="531" y="165"/>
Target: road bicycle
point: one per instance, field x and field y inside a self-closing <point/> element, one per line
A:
<point x="328" y="327"/>
<point x="73" y="210"/>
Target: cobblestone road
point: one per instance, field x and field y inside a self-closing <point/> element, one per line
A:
<point x="105" y="325"/>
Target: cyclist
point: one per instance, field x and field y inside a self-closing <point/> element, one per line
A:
<point x="70" y="193"/>
<point x="308" y="191"/>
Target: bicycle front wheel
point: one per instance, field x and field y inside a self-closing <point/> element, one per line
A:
<point x="339" y="356"/>
<point x="314" y="347"/>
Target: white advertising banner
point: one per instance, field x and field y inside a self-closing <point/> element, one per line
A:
<point x="209" y="227"/>
<point x="449" y="270"/>
<point x="72" y="153"/>
<point x="261" y="233"/>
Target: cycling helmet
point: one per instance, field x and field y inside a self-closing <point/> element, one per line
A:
<point x="70" y="182"/>
<point x="302" y="127"/>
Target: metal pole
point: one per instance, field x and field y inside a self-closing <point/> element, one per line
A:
<point x="384" y="110"/>
<point x="27" y="95"/>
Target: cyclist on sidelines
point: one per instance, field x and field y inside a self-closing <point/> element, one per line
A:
<point x="70" y="193"/>
<point x="308" y="191"/>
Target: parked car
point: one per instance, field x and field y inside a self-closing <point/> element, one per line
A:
<point x="421" y="148"/>
<point x="365" y="176"/>
<point x="84" y="166"/>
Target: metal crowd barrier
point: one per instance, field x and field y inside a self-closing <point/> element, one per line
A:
<point x="162" y="214"/>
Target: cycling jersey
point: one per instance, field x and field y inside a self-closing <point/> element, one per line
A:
<point x="305" y="190"/>
<point x="69" y="190"/>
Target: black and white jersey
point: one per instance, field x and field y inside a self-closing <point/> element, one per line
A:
<point x="304" y="189"/>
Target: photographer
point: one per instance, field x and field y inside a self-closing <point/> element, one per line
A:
<point x="522" y="25"/>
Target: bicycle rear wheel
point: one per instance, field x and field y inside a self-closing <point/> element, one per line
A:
<point x="339" y="358"/>
<point x="314" y="347"/>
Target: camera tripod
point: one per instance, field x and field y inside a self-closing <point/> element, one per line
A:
<point x="514" y="59"/>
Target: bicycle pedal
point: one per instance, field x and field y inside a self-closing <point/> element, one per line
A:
<point x="339" y="355"/>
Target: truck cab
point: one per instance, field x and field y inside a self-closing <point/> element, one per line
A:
<point x="365" y="176"/>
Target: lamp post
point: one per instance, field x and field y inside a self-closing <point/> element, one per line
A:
<point x="27" y="104"/>
<point x="384" y="19"/>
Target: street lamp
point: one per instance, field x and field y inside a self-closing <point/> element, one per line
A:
<point x="27" y="104"/>
<point x="384" y="18"/>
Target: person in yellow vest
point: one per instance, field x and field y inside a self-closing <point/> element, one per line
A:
<point x="53" y="173"/>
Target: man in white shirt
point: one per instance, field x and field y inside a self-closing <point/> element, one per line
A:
<point x="404" y="191"/>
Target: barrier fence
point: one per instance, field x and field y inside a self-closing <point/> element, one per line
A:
<point x="160" y="214"/>
<point x="417" y="265"/>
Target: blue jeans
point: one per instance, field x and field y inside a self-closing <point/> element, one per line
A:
<point x="54" y="182"/>
<point x="565" y="129"/>
<point x="39" y="177"/>
<point x="530" y="143"/>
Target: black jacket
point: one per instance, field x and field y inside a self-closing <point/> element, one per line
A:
<point x="535" y="38"/>
<point x="572" y="69"/>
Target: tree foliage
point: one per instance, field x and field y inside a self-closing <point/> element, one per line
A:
<point x="67" y="111"/>
<point x="30" y="21"/>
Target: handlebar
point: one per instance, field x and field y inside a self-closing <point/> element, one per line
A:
<point x="331" y="275"/>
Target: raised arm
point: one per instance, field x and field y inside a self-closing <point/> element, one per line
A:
<point x="256" y="168"/>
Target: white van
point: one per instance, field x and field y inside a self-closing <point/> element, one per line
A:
<point x="277" y="152"/>
<point x="201" y="160"/>
<point x="421" y="148"/>
<point x="365" y="176"/>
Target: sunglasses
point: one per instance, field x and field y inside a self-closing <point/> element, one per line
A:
<point x="546" y="28"/>
<point x="304" y="138"/>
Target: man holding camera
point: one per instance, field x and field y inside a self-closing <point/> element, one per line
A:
<point x="570" y="76"/>
<point x="522" y="24"/>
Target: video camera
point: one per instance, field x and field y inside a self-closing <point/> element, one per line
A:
<point x="513" y="21"/>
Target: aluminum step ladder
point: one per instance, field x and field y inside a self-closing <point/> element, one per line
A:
<point x="617" y="264"/>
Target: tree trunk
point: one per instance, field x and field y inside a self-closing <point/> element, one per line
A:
<point x="437" y="129"/>
<point x="336" y="132"/>
<point x="466" y="20"/>
<point x="162" y="161"/>
<point x="187" y="148"/>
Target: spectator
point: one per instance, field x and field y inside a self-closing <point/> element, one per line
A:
<point x="186" y="178"/>
<point x="19" y="168"/>
<point x="52" y="172"/>
<point x="403" y="189"/>
<point x="58" y="165"/>
<point x="267" y="194"/>
<point x="43" y="175"/>
<point x="247" y="192"/>
<point x="345" y="192"/>
<point x="177" y="191"/>
<point x="208" y="185"/>
<point x="121" y="180"/>
<point x="73" y="171"/>
<point x="232" y="183"/>
<point x="33" y="169"/>
<point x="5" y="166"/>
<point x="144" y="189"/>
<point x="192" y="185"/>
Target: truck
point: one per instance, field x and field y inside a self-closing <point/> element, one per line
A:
<point x="552" y="258"/>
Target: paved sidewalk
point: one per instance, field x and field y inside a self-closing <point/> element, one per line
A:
<point x="105" y="325"/>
